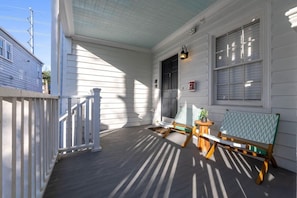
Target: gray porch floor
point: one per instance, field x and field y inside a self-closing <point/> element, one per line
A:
<point x="137" y="162"/>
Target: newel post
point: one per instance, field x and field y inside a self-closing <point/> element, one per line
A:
<point x="96" y="120"/>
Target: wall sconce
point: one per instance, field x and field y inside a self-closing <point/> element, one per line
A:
<point x="184" y="53"/>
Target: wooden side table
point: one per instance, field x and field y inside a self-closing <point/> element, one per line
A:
<point x="203" y="144"/>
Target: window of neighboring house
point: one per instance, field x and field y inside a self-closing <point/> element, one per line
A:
<point x="1" y="46"/>
<point x="8" y="51"/>
<point x="238" y="71"/>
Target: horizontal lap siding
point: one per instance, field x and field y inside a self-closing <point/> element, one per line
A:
<point x="23" y="72"/>
<point x="197" y="70"/>
<point x="194" y="68"/>
<point x="123" y="76"/>
<point x="283" y="68"/>
<point x="284" y="83"/>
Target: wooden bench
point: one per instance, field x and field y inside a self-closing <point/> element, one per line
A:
<point x="184" y="123"/>
<point x="248" y="133"/>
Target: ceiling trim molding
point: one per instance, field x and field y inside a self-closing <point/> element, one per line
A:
<point x="110" y="43"/>
<point x="197" y="20"/>
<point x="66" y="17"/>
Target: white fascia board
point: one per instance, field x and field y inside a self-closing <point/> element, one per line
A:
<point x="66" y="17"/>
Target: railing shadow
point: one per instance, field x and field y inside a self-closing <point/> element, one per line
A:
<point x="137" y="162"/>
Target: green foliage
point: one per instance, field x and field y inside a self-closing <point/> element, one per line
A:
<point x="46" y="75"/>
<point x="203" y="114"/>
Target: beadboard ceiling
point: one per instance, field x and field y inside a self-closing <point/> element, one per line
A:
<point x="139" y="23"/>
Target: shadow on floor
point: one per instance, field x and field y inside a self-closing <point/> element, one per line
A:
<point x="137" y="162"/>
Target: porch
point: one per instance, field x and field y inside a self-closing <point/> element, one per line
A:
<point x="137" y="162"/>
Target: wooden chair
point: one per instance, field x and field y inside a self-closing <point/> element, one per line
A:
<point x="184" y="123"/>
<point x="252" y="134"/>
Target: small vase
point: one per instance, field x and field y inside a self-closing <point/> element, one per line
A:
<point x="204" y="119"/>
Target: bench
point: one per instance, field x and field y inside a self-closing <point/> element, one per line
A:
<point x="184" y="123"/>
<point x="248" y="133"/>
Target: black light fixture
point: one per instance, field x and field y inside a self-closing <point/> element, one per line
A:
<point x="184" y="53"/>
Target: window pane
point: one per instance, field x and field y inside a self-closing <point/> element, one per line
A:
<point x="253" y="91"/>
<point x="253" y="72"/>
<point x="221" y="51"/>
<point x="221" y="59"/>
<point x="1" y="47"/>
<point x="8" y="51"/>
<point x="236" y="92"/>
<point x="223" y="92"/>
<point x="234" y="46"/>
<point x="236" y="75"/>
<point x="251" y="36"/>
<point x="253" y="81"/>
<point x="223" y="77"/>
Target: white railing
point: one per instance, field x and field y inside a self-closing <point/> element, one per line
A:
<point x="29" y="141"/>
<point x="80" y="125"/>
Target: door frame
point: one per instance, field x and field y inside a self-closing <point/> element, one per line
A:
<point x="162" y="81"/>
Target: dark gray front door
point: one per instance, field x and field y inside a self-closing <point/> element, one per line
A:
<point x="169" y="86"/>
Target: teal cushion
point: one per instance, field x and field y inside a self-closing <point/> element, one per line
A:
<point x="183" y="129"/>
<point x="257" y="150"/>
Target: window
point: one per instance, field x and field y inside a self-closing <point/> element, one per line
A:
<point x="5" y="49"/>
<point x="238" y="70"/>
<point x="1" y="47"/>
<point x="8" y="51"/>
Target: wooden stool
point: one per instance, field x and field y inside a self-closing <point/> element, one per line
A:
<point x="203" y="144"/>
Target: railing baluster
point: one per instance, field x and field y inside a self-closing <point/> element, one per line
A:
<point x="33" y="152"/>
<point x="86" y="128"/>
<point x="14" y="150"/>
<point x="69" y="125"/>
<point x="73" y="132"/>
<point x="96" y="120"/>
<point x="22" y="135"/>
<point x="78" y="124"/>
<point x="41" y="148"/>
<point x="30" y="146"/>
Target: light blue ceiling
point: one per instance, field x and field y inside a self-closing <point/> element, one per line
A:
<point x="140" y="23"/>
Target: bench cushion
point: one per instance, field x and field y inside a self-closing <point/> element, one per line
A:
<point x="185" y="129"/>
<point x="258" y="127"/>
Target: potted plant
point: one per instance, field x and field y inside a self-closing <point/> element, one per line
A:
<point x="203" y="115"/>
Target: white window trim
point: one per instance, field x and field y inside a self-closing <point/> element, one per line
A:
<point x="265" y="56"/>
<point x="3" y="55"/>
<point x="11" y="51"/>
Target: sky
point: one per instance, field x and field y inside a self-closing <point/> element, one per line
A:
<point x="14" y="16"/>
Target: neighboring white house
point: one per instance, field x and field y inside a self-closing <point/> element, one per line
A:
<point x="262" y="71"/>
<point x="19" y="68"/>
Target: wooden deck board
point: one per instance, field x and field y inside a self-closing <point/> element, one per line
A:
<point x="137" y="162"/>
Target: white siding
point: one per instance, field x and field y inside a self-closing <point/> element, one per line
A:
<point x="24" y="71"/>
<point x="279" y="58"/>
<point x="123" y="76"/>
<point x="284" y="82"/>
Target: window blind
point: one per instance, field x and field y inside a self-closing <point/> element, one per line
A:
<point x="238" y="69"/>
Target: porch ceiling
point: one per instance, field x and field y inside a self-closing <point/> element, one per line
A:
<point x="139" y="23"/>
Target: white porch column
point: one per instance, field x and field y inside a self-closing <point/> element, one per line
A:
<point x="96" y="120"/>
